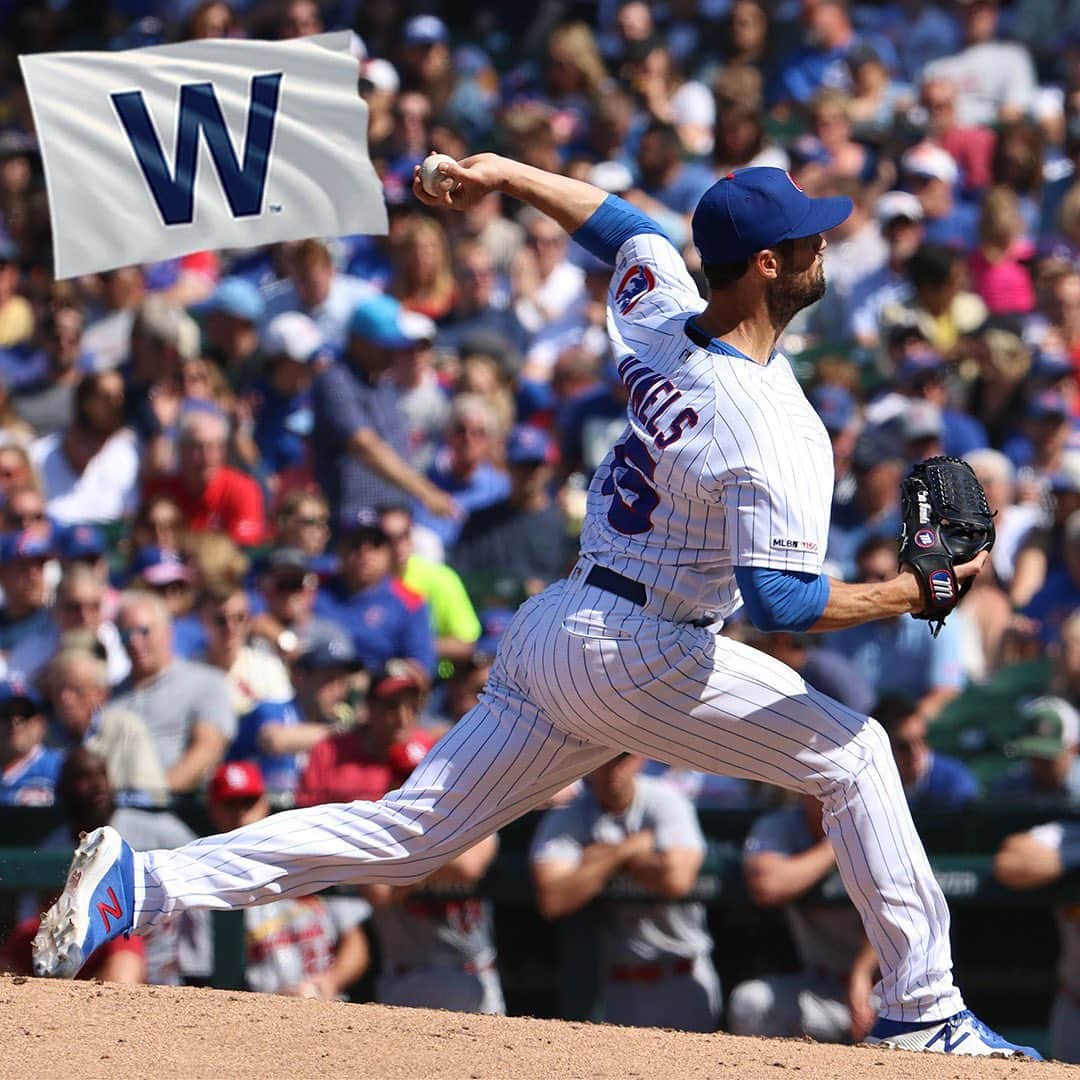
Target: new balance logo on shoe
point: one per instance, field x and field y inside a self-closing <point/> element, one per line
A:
<point x="114" y="909"/>
<point x="945" y="1035"/>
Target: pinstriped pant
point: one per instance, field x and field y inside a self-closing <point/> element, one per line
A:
<point x="582" y="675"/>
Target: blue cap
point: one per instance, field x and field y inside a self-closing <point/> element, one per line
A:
<point x="17" y="688"/>
<point x="238" y="297"/>
<point x="1051" y="365"/>
<point x="381" y="320"/>
<point x="1047" y="405"/>
<point x="529" y="444"/>
<point x="330" y="652"/>
<point x="757" y="208"/>
<point x="26" y="544"/>
<point x="918" y="360"/>
<point x="493" y="624"/>
<point x="876" y="446"/>
<point x="81" y="542"/>
<point x="835" y="405"/>
<point x="425" y="30"/>
<point x="159" y="566"/>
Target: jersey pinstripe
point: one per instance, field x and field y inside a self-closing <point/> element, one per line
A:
<point x="723" y="461"/>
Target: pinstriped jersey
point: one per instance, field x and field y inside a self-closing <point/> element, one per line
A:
<point x="723" y="461"/>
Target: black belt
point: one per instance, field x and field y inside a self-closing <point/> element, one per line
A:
<point x="600" y="577"/>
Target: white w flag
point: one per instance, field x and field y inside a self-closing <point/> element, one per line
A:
<point x="158" y="152"/>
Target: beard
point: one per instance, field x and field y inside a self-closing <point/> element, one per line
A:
<point x="791" y="293"/>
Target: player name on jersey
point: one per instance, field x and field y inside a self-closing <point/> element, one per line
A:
<point x="651" y="395"/>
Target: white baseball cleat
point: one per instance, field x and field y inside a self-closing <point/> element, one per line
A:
<point x="97" y="905"/>
<point x="963" y="1033"/>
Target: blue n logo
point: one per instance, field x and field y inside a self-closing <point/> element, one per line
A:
<point x="174" y="191"/>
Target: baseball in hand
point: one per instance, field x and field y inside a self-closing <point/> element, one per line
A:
<point x="433" y="181"/>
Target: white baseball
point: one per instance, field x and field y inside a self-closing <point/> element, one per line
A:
<point x="433" y="181"/>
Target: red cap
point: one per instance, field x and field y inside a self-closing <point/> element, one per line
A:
<point x="237" y="780"/>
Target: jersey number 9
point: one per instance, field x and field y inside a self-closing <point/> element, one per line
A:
<point x="633" y="498"/>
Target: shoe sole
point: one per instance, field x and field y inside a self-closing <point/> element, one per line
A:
<point x="886" y="1044"/>
<point x="57" y="948"/>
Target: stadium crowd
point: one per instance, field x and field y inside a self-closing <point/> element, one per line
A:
<point x="265" y="513"/>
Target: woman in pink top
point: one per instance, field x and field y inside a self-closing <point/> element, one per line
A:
<point x="998" y="267"/>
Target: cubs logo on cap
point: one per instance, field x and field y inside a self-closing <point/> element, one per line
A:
<point x="757" y="208"/>
<point x="635" y="283"/>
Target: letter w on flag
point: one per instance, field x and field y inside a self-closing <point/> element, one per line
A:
<point x="154" y="153"/>
<point x="174" y="192"/>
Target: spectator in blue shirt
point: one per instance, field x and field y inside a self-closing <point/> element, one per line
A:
<point x="899" y="656"/>
<point x="463" y="467"/>
<point x="1059" y="595"/>
<point x="932" y="174"/>
<point x="317" y="289"/>
<point x="921" y="376"/>
<point x="663" y="174"/>
<point x="28" y="768"/>
<point x="932" y="781"/>
<point x="24" y="618"/>
<point x="293" y="352"/>
<point x="385" y="618"/>
<point x="822" y="63"/>
<point x="877" y="463"/>
<point x="360" y="437"/>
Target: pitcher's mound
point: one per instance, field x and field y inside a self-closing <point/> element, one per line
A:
<point x="77" y="1031"/>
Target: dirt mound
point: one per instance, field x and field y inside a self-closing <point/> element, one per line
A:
<point x="83" y="1030"/>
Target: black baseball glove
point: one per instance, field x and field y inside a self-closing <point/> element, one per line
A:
<point x="946" y="522"/>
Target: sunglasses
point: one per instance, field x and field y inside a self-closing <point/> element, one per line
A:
<point x="129" y="632"/>
<point x="313" y="522"/>
<point x="82" y="605"/>
<point x="289" y="584"/>
<point x="230" y="618"/>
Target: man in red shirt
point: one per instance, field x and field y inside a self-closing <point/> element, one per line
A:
<point x="212" y="495"/>
<point x="375" y="757"/>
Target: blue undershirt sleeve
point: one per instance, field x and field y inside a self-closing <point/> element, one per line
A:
<point x="612" y="223"/>
<point x="782" y="599"/>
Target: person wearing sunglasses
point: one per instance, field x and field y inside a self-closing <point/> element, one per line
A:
<point x="289" y="625"/>
<point x="24" y="617"/>
<point x="28" y="768"/>
<point x="184" y="704"/>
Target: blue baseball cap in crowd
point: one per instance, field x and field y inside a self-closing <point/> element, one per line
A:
<point x="493" y="624"/>
<point x="381" y="320"/>
<point x="330" y="652"/>
<point x="528" y="444"/>
<point x="81" y="542"/>
<point x="1049" y="405"/>
<point x="159" y="566"/>
<point x="919" y="361"/>
<point x="835" y="405"/>
<point x="17" y="695"/>
<point x="239" y="298"/>
<point x="26" y="544"/>
<point x="758" y="208"/>
<point x="1051" y="366"/>
<point x="876" y="446"/>
<point x="425" y="30"/>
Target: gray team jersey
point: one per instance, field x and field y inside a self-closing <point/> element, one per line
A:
<point x="633" y="933"/>
<point x="827" y="936"/>
<point x="291" y="940"/>
<point x="1064" y="838"/>
<point x="425" y="933"/>
<point x="169" y="705"/>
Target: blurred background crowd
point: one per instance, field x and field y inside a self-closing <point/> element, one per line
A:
<point x="265" y="513"/>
